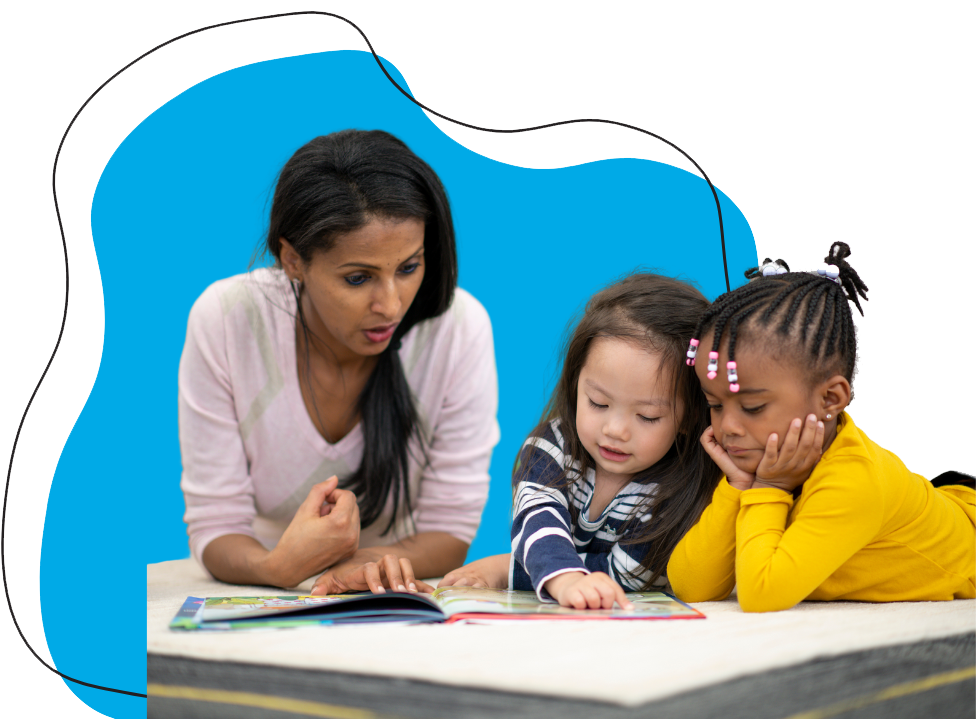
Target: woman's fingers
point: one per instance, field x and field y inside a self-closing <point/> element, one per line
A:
<point x="406" y="571"/>
<point x="391" y="567"/>
<point x="371" y="573"/>
<point x="422" y="586"/>
<point x="317" y="496"/>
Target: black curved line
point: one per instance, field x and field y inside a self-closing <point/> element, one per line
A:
<point x="64" y="244"/>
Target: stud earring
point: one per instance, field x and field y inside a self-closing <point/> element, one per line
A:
<point x="692" y="351"/>
<point x="712" y="365"/>
<point x="733" y="377"/>
<point x="829" y="416"/>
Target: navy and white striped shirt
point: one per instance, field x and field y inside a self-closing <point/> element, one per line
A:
<point x="545" y="543"/>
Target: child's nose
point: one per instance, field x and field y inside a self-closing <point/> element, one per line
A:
<point x="616" y="427"/>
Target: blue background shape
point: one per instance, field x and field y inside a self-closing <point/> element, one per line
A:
<point x="183" y="202"/>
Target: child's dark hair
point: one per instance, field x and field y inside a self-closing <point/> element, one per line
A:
<point x="660" y="313"/>
<point x="809" y="311"/>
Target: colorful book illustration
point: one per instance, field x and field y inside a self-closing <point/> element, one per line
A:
<point x="449" y="604"/>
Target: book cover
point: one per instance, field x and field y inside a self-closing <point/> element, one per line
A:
<point x="448" y="604"/>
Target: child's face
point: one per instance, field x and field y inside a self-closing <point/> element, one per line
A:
<point x="624" y="416"/>
<point x="771" y="394"/>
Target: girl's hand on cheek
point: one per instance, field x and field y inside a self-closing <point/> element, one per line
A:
<point x="790" y="466"/>
<point x="737" y="478"/>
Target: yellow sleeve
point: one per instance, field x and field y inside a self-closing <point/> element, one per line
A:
<point x="777" y="567"/>
<point x="702" y="566"/>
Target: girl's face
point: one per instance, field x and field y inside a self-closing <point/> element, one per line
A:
<point x="772" y="393"/>
<point x="624" y="415"/>
<point x="356" y="293"/>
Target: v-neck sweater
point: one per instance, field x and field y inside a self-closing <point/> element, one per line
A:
<point x="251" y="453"/>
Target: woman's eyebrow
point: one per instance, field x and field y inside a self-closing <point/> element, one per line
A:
<point x="364" y="266"/>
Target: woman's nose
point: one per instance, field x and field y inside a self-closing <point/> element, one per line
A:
<point x="386" y="299"/>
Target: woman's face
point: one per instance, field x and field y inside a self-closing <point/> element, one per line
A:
<point x="356" y="293"/>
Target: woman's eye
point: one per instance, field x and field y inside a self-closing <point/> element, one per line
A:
<point x="356" y="280"/>
<point x="408" y="269"/>
<point x="597" y="406"/>
<point x="754" y="410"/>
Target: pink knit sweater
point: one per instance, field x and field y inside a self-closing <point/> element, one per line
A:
<point x="251" y="453"/>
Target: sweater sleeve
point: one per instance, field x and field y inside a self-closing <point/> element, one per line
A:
<point x="778" y="566"/>
<point x="216" y="483"/>
<point x="454" y="485"/>
<point x="542" y="542"/>
<point x="702" y="566"/>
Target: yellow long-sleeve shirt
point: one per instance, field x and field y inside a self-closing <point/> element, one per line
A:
<point x="863" y="528"/>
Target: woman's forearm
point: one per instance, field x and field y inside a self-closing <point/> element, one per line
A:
<point x="432" y="554"/>
<point x="241" y="559"/>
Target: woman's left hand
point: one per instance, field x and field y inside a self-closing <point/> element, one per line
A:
<point x="370" y="570"/>
<point x="789" y="466"/>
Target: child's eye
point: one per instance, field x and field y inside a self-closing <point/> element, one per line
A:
<point x="356" y="280"/>
<point x="754" y="410"/>
<point x="648" y="419"/>
<point x="597" y="406"/>
<point x="408" y="269"/>
<point x="714" y="406"/>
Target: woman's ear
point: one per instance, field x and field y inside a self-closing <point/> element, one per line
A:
<point x="291" y="261"/>
<point x="835" y="395"/>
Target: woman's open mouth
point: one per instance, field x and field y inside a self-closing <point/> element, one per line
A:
<point x="381" y="333"/>
<point x="613" y="455"/>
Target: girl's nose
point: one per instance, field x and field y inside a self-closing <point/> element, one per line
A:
<point x="616" y="427"/>
<point x="730" y="426"/>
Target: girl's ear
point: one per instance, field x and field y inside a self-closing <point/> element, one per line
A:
<point x="835" y="395"/>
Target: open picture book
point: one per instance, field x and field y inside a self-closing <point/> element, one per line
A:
<point x="449" y="604"/>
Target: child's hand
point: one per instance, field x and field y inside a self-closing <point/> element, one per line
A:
<point x="737" y="478"/>
<point x="587" y="591"/>
<point x="790" y="466"/>
<point x="489" y="572"/>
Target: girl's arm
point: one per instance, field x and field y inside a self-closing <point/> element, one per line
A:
<point x="702" y="566"/>
<point x="779" y="566"/>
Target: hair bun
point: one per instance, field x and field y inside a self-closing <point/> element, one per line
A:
<point x="849" y="279"/>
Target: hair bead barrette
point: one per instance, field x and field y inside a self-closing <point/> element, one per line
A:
<point x="831" y="272"/>
<point x="733" y="377"/>
<point x="712" y="365"/>
<point x="692" y="352"/>
<point x="774" y="267"/>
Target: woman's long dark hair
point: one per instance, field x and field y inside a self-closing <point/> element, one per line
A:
<point x="337" y="184"/>
<point x="659" y="313"/>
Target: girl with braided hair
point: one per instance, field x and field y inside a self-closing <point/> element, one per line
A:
<point x="810" y="507"/>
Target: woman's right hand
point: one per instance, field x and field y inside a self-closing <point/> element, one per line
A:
<point x="487" y="572"/>
<point x="737" y="478"/>
<point x="323" y="532"/>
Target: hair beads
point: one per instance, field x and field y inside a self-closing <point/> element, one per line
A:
<point x="692" y="352"/>
<point x="712" y="365"/>
<point x="733" y="377"/>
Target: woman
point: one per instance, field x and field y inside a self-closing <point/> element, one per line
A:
<point x="337" y="411"/>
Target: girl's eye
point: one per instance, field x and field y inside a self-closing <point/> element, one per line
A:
<point x="648" y="419"/>
<point x="410" y="268"/>
<point x="597" y="406"/>
<point x="356" y="280"/>
<point x="714" y="406"/>
<point x="754" y="410"/>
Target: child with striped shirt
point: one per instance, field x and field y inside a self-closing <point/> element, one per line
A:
<point x="614" y="475"/>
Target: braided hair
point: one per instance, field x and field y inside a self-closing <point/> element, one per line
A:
<point x="808" y="312"/>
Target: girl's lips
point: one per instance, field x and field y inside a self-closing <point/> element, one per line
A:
<point x="737" y="451"/>
<point x="612" y="455"/>
<point x="380" y="334"/>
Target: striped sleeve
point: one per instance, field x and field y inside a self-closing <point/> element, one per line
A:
<point x="542" y="541"/>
